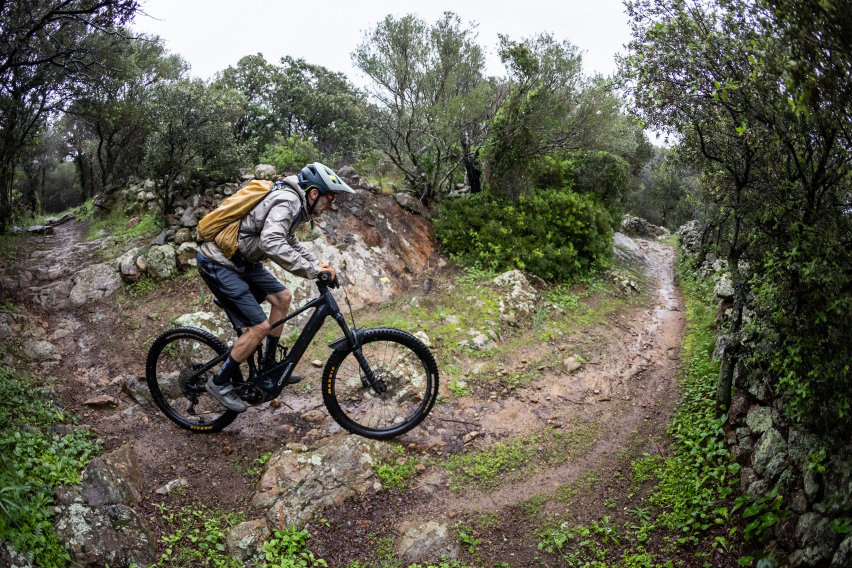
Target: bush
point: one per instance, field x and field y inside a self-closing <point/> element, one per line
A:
<point x="555" y="234"/>
<point x="291" y="154"/>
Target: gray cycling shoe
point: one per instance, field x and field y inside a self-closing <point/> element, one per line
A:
<point x="225" y="395"/>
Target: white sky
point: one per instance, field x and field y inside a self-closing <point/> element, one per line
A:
<point x="213" y="34"/>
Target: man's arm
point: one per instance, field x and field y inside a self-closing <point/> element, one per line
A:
<point x="286" y="251"/>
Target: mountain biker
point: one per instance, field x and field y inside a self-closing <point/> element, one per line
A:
<point x="241" y="282"/>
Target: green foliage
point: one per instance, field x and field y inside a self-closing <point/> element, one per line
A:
<point x="286" y="549"/>
<point x="398" y="473"/>
<point x="32" y="461"/>
<point x="428" y="96"/>
<point x="518" y="457"/>
<point x="291" y="154"/>
<point x="698" y="476"/>
<point x="191" y="135"/>
<point x="761" y="514"/>
<point x="195" y="535"/>
<point x="555" y="234"/>
<point x="115" y="225"/>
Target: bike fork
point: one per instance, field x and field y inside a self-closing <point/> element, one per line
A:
<point x="369" y="379"/>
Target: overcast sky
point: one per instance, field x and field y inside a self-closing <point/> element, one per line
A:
<point x="213" y="34"/>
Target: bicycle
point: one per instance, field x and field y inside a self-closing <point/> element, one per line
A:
<point x="377" y="383"/>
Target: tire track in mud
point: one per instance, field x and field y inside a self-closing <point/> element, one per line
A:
<point x="627" y="391"/>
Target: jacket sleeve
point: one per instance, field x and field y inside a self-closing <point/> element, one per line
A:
<point x="286" y="251"/>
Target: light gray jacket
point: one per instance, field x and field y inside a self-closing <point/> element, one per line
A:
<point x="268" y="226"/>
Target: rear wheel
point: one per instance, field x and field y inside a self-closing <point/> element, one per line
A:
<point x="171" y="371"/>
<point x="407" y="376"/>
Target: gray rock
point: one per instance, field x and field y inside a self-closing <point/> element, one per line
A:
<point x="411" y="203"/>
<point x="38" y="350"/>
<point x="161" y="238"/>
<point x="187" y="255"/>
<point x="627" y="250"/>
<point x="802" y="444"/>
<point x="811" y="484"/>
<point x="814" y="533"/>
<point x="136" y="390"/>
<point x="635" y="226"/>
<point x="758" y="488"/>
<point x="40" y="229"/>
<point x="54" y="295"/>
<point x="127" y="268"/>
<point x="93" y="283"/>
<point x="572" y="364"/>
<point x="724" y="287"/>
<point x="297" y="485"/>
<point x="428" y="540"/>
<point x="207" y="321"/>
<point x="421" y="335"/>
<point x="777" y="465"/>
<point x="769" y="445"/>
<point x="172" y="485"/>
<point x="113" y="534"/>
<point x="112" y="478"/>
<point x="843" y="556"/>
<point x="245" y="540"/>
<point x="161" y="261"/>
<point x="265" y="171"/>
<point x="759" y="420"/>
<point x="689" y="236"/>
<point x="183" y="235"/>
<point x="520" y="302"/>
<point x="189" y="218"/>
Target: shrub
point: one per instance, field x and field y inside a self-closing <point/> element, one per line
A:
<point x="555" y="234"/>
<point x="291" y="154"/>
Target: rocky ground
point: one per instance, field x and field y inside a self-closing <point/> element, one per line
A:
<point x="580" y="403"/>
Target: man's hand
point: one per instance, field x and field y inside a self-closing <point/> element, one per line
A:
<point x="326" y="268"/>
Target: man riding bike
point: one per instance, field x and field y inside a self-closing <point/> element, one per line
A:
<point x="241" y="282"/>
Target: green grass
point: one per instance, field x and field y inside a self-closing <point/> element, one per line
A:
<point x="32" y="461"/>
<point x="518" y="458"/>
<point x="398" y="473"/>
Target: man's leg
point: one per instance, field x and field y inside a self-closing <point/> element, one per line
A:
<point x="280" y="303"/>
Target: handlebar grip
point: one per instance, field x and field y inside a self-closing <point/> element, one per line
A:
<point x="325" y="278"/>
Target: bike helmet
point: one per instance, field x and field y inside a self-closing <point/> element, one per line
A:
<point x="326" y="181"/>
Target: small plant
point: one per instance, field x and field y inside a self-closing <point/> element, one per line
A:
<point x="460" y="389"/>
<point x="764" y="513"/>
<point x="287" y="549"/>
<point x="196" y="536"/>
<point x="467" y="538"/>
<point x="399" y="473"/>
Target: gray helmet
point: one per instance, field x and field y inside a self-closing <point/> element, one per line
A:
<point x="321" y="177"/>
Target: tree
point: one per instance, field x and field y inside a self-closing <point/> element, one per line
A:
<point x="107" y="109"/>
<point x="775" y="148"/>
<point x="45" y="45"/>
<point x="551" y="108"/>
<point x="190" y="134"/>
<point x="427" y="95"/>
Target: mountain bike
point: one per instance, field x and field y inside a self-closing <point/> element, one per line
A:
<point x="377" y="383"/>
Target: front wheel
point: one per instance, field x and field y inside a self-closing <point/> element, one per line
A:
<point x="404" y="367"/>
<point x="176" y="387"/>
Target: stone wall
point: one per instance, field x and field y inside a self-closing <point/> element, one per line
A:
<point x="812" y="474"/>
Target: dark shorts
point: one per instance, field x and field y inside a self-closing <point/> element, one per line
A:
<point x="240" y="291"/>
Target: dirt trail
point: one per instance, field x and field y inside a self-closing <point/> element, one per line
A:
<point x="626" y="389"/>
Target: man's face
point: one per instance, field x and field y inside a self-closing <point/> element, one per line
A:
<point x="323" y="202"/>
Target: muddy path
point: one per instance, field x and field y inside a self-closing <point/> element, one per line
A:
<point x="619" y="401"/>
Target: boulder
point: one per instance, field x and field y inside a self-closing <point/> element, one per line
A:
<point x="245" y="540"/>
<point x="689" y="236"/>
<point x="724" y="287"/>
<point x="137" y="390"/>
<point x="769" y="445"/>
<point x="411" y="203"/>
<point x="265" y="171"/>
<point x="93" y="283"/>
<point x="635" y="226"/>
<point x="427" y="541"/>
<point x="38" y="350"/>
<point x="627" y="250"/>
<point x="183" y="235"/>
<point x="843" y="556"/>
<point x="519" y="300"/>
<point x="113" y="478"/>
<point x="299" y="484"/>
<point x="189" y="218"/>
<point x="207" y="321"/>
<point x="127" y="269"/>
<point x="40" y="229"/>
<point x="161" y="261"/>
<point x="759" y="420"/>
<point x="113" y="535"/>
<point x="187" y="255"/>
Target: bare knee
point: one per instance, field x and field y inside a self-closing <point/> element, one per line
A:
<point x="280" y="299"/>
<point x="260" y="330"/>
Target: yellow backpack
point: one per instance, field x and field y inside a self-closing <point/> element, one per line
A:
<point x="222" y="225"/>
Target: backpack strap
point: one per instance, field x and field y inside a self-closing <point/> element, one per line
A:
<point x="283" y="186"/>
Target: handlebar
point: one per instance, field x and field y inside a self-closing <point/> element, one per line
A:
<point x="325" y="278"/>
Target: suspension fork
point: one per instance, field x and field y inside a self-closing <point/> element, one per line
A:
<point x="352" y="340"/>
